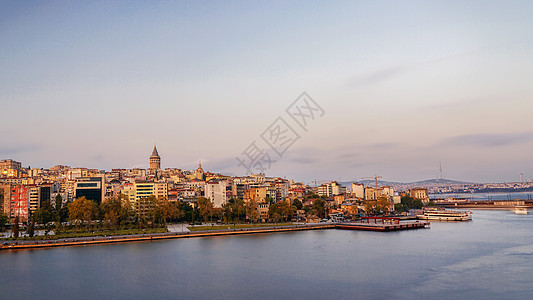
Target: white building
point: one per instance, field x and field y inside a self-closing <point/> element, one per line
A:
<point x="358" y="190"/>
<point x="216" y="192"/>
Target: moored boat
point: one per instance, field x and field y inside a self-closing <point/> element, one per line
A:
<point x="520" y="210"/>
<point x="445" y="215"/>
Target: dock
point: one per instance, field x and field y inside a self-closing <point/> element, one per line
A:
<point x="383" y="224"/>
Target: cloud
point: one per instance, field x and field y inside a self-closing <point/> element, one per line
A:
<point x="13" y="150"/>
<point x="378" y="76"/>
<point x="487" y="139"/>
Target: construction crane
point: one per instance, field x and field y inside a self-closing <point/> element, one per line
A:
<point x="375" y="177"/>
<point x="320" y="182"/>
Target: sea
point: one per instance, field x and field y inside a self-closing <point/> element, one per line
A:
<point x="490" y="257"/>
<point x="485" y="196"/>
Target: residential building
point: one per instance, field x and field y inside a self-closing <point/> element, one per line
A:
<point x="358" y="190"/>
<point x="255" y="195"/>
<point x="216" y="192"/>
<point x="20" y="202"/>
<point x="5" y="198"/>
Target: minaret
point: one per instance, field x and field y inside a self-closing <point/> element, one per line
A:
<point x="155" y="160"/>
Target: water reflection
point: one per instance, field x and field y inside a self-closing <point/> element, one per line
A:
<point x="490" y="257"/>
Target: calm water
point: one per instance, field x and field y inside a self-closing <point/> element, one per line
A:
<point x="486" y="196"/>
<point x="488" y="258"/>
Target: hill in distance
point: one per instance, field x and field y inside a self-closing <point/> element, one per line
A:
<point x="396" y="185"/>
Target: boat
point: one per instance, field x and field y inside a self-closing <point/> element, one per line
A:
<point x="445" y="215"/>
<point x="520" y="210"/>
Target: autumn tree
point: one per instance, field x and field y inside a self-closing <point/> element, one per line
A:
<point x="116" y="209"/>
<point x="281" y="211"/>
<point x="206" y="208"/>
<point x="82" y="210"/>
<point x="166" y="210"/>
<point x="379" y="206"/>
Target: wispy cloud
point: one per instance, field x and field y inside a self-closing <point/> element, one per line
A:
<point x="487" y="139"/>
<point x="13" y="150"/>
<point x="378" y="76"/>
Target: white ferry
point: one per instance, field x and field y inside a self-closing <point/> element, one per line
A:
<point x="520" y="210"/>
<point x="445" y="215"/>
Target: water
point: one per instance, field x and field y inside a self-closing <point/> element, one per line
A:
<point x="488" y="258"/>
<point x="486" y="196"/>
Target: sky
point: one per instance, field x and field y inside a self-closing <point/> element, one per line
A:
<point x="402" y="86"/>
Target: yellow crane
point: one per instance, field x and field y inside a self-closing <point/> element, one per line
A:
<point x="375" y="177"/>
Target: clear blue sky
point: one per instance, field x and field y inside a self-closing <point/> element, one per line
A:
<point x="404" y="85"/>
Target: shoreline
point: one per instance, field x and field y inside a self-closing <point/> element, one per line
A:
<point x="82" y="241"/>
<point x="21" y="245"/>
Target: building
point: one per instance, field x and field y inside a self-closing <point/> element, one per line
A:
<point x="5" y="199"/>
<point x="155" y="160"/>
<point x="20" y="202"/>
<point x="331" y="189"/>
<point x="199" y="173"/>
<point x="35" y="197"/>
<point x="10" y="164"/>
<point x="216" y="192"/>
<point x="92" y="188"/>
<point x="358" y="190"/>
<point x="419" y="193"/>
<point x="255" y="195"/>
<point x="374" y="193"/>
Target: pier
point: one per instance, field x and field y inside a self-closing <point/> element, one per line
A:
<point x="383" y="224"/>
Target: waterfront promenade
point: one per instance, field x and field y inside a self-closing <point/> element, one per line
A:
<point x="392" y="225"/>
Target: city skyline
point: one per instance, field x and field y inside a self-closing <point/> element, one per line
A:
<point x="403" y="86"/>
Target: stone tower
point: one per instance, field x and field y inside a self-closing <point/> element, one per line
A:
<point x="155" y="160"/>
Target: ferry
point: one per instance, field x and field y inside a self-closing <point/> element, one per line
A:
<point x="520" y="210"/>
<point x="445" y="215"/>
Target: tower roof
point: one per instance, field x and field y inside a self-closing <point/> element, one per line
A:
<point x="154" y="153"/>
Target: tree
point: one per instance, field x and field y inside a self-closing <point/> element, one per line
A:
<point x="3" y="220"/>
<point x="42" y="215"/>
<point x="16" y="227"/>
<point x="297" y="203"/>
<point x="58" y="202"/>
<point x="411" y="203"/>
<point x="166" y="211"/>
<point x="319" y="207"/>
<point x="252" y="212"/>
<point x="399" y="207"/>
<point x="206" y="208"/>
<point x="116" y="209"/>
<point x="377" y="206"/>
<point x="82" y="210"/>
<point x="31" y="228"/>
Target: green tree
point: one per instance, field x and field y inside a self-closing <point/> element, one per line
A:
<point x="31" y="228"/>
<point x="42" y="215"/>
<point x="319" y="207"/>
<point x="58" y="202"/>
<point x="82" y="210"/>
<point x="411" y="203"/>
<point x="252" y="213"/>
<point x="16" y="227"/>
<point x="297" y="203"/>
<point x="399" y="207"/>
<point x="3" y="221"/>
